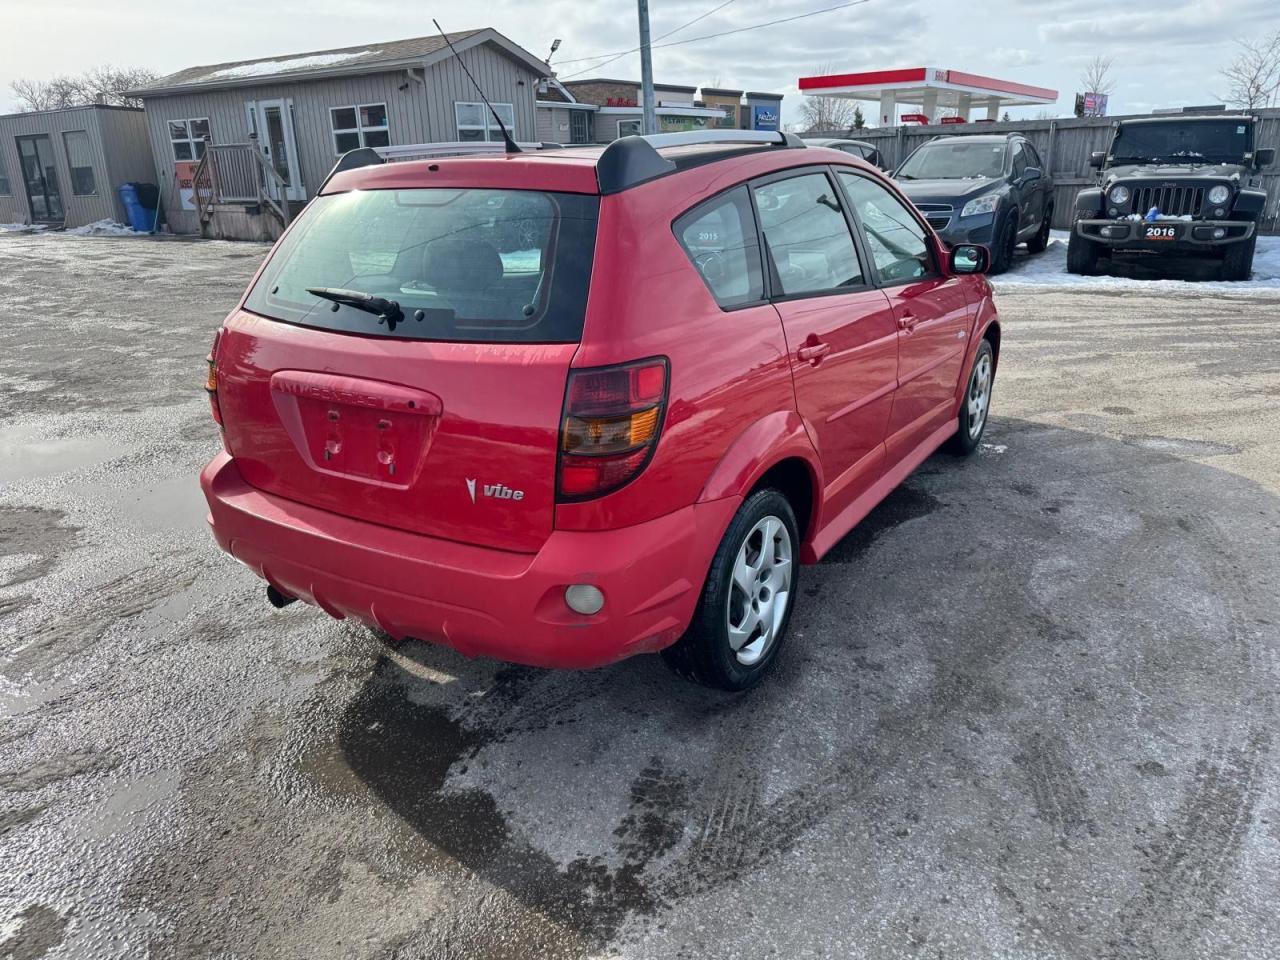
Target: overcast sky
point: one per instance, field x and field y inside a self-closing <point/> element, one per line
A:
<point x="1167" y="52"/>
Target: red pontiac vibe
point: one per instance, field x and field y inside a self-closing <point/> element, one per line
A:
<point x="560" y="407"/>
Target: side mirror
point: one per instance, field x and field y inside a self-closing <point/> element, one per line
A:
<point x="1264" y="157"/>
<point x="1031" y="173"/>
<point x="970" y="258"/>
<point x="1097" y="159"/>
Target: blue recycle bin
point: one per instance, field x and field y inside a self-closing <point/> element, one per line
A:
<point x="140" y="218"/>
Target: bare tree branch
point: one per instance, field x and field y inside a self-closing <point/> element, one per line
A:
<point x="106" y="85"/>
<point x="1096" y="77"/>
<point x="1253" y="77"/>
<point x="827" y="114"/>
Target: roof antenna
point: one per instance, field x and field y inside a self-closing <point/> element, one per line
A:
<point x="511" y="144"/>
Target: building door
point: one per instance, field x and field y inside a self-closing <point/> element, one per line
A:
<point x="272" y="122"/>
<point x="40" y="174"/>
<point x="579" y="121"/>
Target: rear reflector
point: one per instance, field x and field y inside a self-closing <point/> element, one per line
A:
<point x="612" y="419"/>
<point x="211" y="379"/>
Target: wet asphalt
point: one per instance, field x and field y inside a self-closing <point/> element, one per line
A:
<point x="1028" y="709"/>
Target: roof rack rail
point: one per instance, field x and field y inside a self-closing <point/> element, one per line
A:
<point x="629" y="161"/>
<point x="372" y="156"/>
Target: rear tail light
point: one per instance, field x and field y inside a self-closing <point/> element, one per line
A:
<point x="612" y="417"/>
<point x="211" y="379"/>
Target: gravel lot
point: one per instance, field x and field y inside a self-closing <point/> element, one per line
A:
<point x="1029" y="707"/>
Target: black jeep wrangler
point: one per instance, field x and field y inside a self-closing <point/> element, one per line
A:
<point x="1184" y="185"/>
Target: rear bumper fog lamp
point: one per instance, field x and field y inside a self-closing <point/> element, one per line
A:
<point x="583" y="598"/>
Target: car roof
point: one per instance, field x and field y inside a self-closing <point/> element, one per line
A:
<point x="831" y="141"/>
<point x="612" y="168"/>
<point x="976" y="138"/>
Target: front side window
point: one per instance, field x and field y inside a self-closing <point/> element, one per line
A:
<point x="897" y="241"/>
<point x="509" y="266"/>
<point x="188" y="138"/>
<point x="720" y="238"/>
<point x="807" y="235"/>
<point x="1019" y="160"/>
<point x="364" y="125"/>
<point x="79" y="162"/>
<point x="475" y="122"/>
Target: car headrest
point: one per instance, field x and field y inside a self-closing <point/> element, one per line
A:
<point x="453" y="263"/>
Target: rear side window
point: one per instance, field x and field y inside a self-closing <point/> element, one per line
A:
<point x="509" y="266"/>
<point x="720" y="238"/>
<point x="807" y="235"/>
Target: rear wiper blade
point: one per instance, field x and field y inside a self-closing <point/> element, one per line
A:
<point x="387" y="311"/>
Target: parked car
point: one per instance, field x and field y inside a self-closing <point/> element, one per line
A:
<point x="855" y="148"/>
<point x="1175" y="186"/>
<point x="987" y="188"/>
<point x="564" y="407"/>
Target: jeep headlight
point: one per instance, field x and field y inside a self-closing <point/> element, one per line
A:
<point x="1220" y="194"/>
<point x="979" y="205"/>
<point x="1119" y="195"/>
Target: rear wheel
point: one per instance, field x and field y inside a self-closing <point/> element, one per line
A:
<point x="1082" y="254"/>
<point x="976" y="403"/>
<point x="745" y="608"/>
<point x="1006" y="238"/>
<point x="1237" y="259"/>
<point x="1040" y="241"/>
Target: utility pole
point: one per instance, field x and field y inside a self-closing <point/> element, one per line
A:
<point x="650" y="115"/>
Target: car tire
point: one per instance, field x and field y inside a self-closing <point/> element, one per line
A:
<point x="1237" y="259"/>
<point x="1082" y="254"/>
<point x="1006" y="238"/>
<point x="738" y="627"/>
<point x="975" y="405"/>
<point x="1040" y="242"/>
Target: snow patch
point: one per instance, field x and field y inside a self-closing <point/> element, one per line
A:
<point x="21" y="227"/>
<point x="104" y="228"/>
<point x="1049" y="269"/>
<point x="263" y="68"/>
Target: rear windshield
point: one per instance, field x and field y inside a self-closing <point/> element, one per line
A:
<point x="511" y="266"/>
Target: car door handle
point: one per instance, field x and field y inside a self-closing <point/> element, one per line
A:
<point x="907" y="320"/>
<point x="813" y="352"/>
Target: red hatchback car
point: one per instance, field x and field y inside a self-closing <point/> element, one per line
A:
<point x="562" y="407"/>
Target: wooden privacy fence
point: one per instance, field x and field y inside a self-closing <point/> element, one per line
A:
<point x="1064" y="145"/>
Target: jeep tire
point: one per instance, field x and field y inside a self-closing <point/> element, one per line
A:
<point x="1082" y="254"/>
<point x="1237" y="259"/>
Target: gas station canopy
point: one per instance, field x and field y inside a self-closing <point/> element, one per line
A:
<point x="928" y="87"/>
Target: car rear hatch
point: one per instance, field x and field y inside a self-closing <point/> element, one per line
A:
<point x="436" y="409"/>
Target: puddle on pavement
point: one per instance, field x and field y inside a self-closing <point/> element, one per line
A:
<point x="24" y="456"/>
<point x="160" y="507"/>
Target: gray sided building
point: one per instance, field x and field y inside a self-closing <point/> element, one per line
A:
<point x="62" y="167"/>
<point x="301" y="112"/>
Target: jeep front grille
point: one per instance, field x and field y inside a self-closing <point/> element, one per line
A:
<point x="1170" y="201"/>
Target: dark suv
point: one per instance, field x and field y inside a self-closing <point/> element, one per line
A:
<point x="988" y="189"/>
<point x="1174" y="185"/>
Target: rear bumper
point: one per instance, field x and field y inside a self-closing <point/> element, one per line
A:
<point x="1189" y="235"/>
<point x="477" y="600"/>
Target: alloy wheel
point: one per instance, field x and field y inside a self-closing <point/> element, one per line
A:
<point x="760" y="591"/>
<point x="979" y="394"/>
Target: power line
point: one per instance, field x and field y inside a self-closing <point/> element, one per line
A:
<point x="613" y="57"/>
<point x="709" y="36"/>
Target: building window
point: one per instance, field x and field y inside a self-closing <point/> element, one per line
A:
<point x="475" y="122"/>
<point x="360" y="126"/>
<point x="187" y="137"/>
<point x="80" y="163"/>
<point x="629" y="128"/>
<point x="5" y="189"/>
